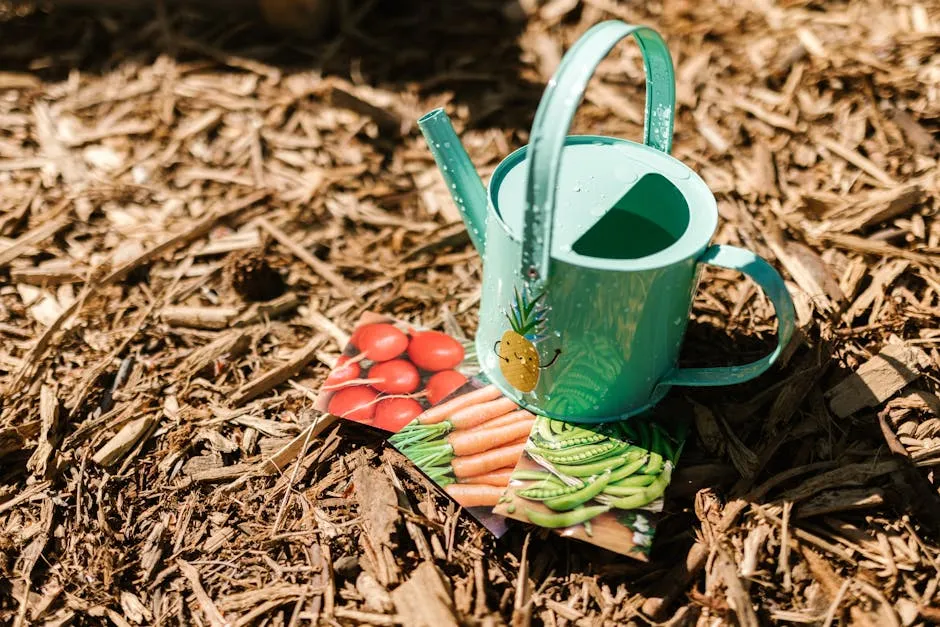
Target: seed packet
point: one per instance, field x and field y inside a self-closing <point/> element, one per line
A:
<point x="426" y="389"/>
<point x="602" y="484"/>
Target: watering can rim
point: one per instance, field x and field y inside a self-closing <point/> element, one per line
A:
<point x="703" y="220"/>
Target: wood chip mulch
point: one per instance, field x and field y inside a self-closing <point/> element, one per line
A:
<point x="195" y="209"/>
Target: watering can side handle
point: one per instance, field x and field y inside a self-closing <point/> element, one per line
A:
<point x="554" y="115"/>
<point x="771" y="282"/>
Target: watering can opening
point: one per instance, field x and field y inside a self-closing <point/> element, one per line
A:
<point x="619" y="205"/>
<point x="650" y="217"/>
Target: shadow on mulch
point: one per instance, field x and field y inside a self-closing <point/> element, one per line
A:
<point x="467" y="49"/>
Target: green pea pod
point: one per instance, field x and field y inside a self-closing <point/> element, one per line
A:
<point x="569" y="442"/>
<point x="595" y="468"/>
<point x="655" y="464"/>
<point x="545" y="490"/>
<point x="543" y="428"/>
<point x="530" y="475"/>
<point x="643" y="434"/>
<point x="558" y="481"/>
<point x="581" y="454"/>
<point x="668" y="451"/>
<point x="634" y="481"/>
<point x="565" y="519"/>
<point x="558" y="426"/>
<point x="579" y="497"/>
<point x="577" y="432"/>
<point x="627" y="432"/>
<point x="618" y="491"/>
<point x="627" y="469"/>
<point x="648" y="494"/>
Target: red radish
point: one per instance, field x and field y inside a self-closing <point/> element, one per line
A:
<point x="442" y="384"/>
<point x="397" y="376"/>
<point x="392" y="414"/>
<point x="343" y="373"/>
<point x="354" y="338"/>
<point x="433" y="350"/>
<point x="354" y="403"/>
<point x="381" y="341"/>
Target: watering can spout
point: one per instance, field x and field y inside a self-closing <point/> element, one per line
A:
<point x="461" y="177"/>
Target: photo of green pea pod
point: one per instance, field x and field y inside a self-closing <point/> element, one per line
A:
<point x="599" y="483"/>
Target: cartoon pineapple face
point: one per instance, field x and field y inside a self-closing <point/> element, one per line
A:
<point x="518" y="358"/>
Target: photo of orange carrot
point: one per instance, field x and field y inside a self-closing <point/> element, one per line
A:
<point x="468" y="444"/>
<point x="499" y="478"/>
<point x="476" y="414"/>
<point x="505" y="419"/>
<point x="474" y="495"/>
<point x="483" y="412"/>
<point x="479" y="440"/>
<point x="488" y="461"/>
<point x="441" y="412"/>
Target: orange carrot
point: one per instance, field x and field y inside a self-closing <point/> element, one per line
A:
<point x="475" y="441"/>
<point x="475" y="495"/>
<point x="507" y="419"/>
<point x="488" y="461"/>
<point x="499" y="478"/>
<point x="471" y="416"/>
<point x="439" y="413"/>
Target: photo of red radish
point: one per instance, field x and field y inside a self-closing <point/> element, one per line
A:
<point x="344" y="372"/>
<point x="392" y="414"/>
<point x="433" y="351"/>
<point x="355" y="403"/>
<point x="390" y="372"/>
<point x="397" y="376"/>
<point x="381" y="341"/>
<point x="442" y="384"/>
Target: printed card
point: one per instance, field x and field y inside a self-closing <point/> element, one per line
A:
<point x="601" y="484"/>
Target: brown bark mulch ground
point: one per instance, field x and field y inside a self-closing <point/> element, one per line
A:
<point x="195" y="209"/>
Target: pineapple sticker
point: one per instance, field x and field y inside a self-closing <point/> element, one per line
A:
<point x="519" y="359"/>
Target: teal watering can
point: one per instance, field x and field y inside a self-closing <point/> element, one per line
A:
<point x="592" y="248"/>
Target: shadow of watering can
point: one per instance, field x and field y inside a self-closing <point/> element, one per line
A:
<point x="592" y="248"/>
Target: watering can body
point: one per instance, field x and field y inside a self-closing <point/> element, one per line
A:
<point x="592" y="251"/>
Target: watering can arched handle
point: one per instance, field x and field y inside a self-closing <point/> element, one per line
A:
<point x="560" y="101"/>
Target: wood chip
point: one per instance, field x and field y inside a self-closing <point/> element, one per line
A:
<point x="738" y="598"/>
<point x="809" y="271"/>
<point x="209" y="609"/>
<point x="425" y="600"/>
<point x="876" y="380"/>
<point x="840" y="501"/>
<point x="274" y="377"/>
<point x="124" y="440"/>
